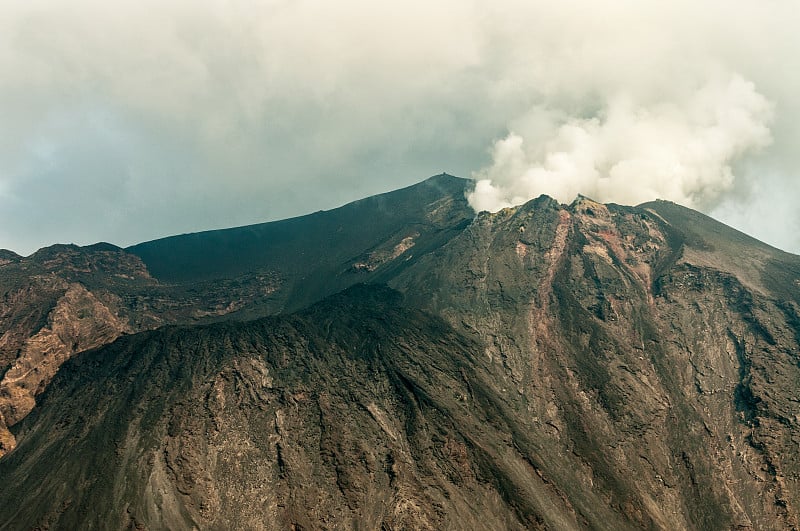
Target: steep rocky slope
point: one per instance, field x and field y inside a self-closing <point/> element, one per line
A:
<point x="322" y="253"/>
<point x="65" y="299"/>
<point x="550" y="366"/>
<point x="651" y="349"/>
<point x="6" y="256"/>
<point x="357" y="413"/>
<point x="51" y="307"/>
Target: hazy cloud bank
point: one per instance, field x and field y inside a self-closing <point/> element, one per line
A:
<point x="163" y="117"/>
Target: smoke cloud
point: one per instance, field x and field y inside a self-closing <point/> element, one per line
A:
<point x="166" y="116"/>
<point x="679" y="150"/>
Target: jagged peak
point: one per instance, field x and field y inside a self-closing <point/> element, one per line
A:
<point x="580" y="199"/>
<point x="543" y="201"/>
<point x="60" y="249"/>
<point x="445" y="177"/>
<point x="7" y="254"/>
<point x="102" y="247"/>
<point x="55" y="250"/>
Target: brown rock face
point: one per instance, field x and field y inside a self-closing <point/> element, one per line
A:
<point x="65" y="299"/>
<point x="650" y="352"/>
<point x="550" y="366"/>
<point x="355" y="413"/>
<point x="78" y="322"/>
<point x="47" y="314"/>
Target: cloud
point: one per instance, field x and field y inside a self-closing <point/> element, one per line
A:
<point x="160" y="117"/>
<point x="628" y="154"/>
<point x="630" y="101"/>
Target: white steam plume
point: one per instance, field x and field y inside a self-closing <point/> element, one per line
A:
<point x="168" y="116"/>
<point x="677" y="150"/>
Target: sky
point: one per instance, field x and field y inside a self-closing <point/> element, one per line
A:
<point x="129" y="120"/>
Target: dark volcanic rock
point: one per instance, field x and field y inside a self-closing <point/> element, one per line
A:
<point x="357" y="413"/>
<point x="652" y="352"/>
<point x="65" y="299"/>
<point x="322" y="253"/>
<point x="548" y="366"/>
<point x="7" y="256"/>
<point x="58" y="302"/>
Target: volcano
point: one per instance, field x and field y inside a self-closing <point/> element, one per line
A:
<point x="403" y="363"/>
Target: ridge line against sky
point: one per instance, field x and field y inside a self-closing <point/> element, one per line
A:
<point x="127" y="121"/>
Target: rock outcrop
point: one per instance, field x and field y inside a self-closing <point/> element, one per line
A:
<point x="550" y="366"/>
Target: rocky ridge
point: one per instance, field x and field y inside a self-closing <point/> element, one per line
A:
<point x="548" y="366"/>
<point x="65" y="299"/>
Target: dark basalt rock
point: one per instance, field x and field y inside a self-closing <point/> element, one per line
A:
<point x="548" y="366"/>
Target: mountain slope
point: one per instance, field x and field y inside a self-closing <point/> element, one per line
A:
<point x="709" y="243"/>
<point x="65" y="299"/>
<point x="321" y="253"/>
<point x="355" y="413"/>
<point x="665" y="381"/>
<point x="554" y="366"/>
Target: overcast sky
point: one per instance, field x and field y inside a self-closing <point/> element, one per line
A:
<point x="124" y="120"/>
